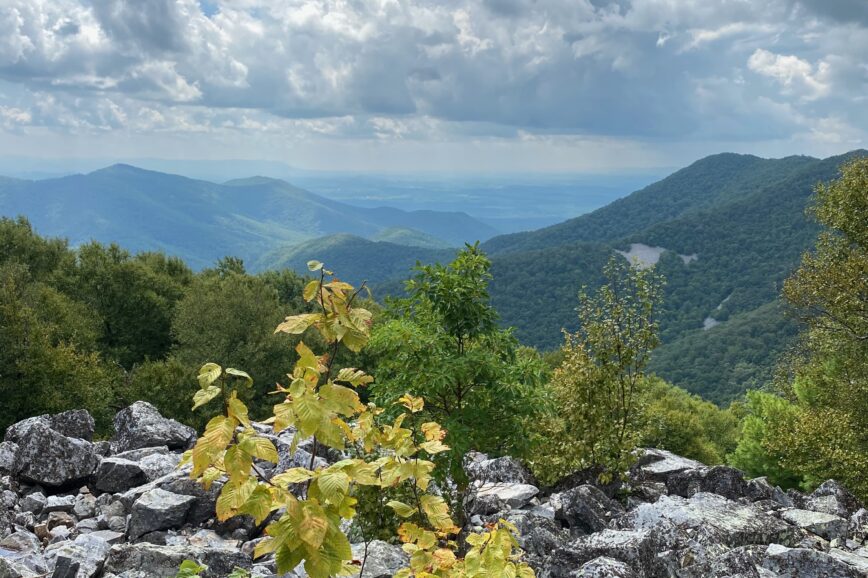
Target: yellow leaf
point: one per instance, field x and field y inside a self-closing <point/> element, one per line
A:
<point x="313" y="526"/>
<point x="292" y="476"/>
<point x="402" y="509"/>
<point x="203" y="396"/>
<point x="208" y="374"/>
<point x="414" y="404"/>
<point x="238" y="410"/>
<point x="297" y="324"/>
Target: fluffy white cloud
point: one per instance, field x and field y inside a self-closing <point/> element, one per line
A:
<point x="436" y="70"/>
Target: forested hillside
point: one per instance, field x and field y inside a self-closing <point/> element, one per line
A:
<point x="203" y="221"/>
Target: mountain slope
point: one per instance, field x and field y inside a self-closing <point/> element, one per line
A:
<point x="203" y="221"/>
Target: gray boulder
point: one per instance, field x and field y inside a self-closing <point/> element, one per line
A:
<point x="82" y="558"/>
<point x="117" y="474"/>
<point x="721" y="480"/>
<point x="141" y="426"/>
<point x="586" y="509"/>
<point x="637" y="549"/>
<point x="826" y="526"/>
<point x="49" y="458"/>
<point x="658" y="465"/>
<point x="833" y="498"/>
<point x="382" y="560"/>
<point x="490" y="498"/>
<point x="76" y="423"/>
<point x="8" y="450"/>
<point x="805" y="563"/>
<point x="604" y="567"/>
<point x="146" y="560"/>
<point x="158" y="510"/>
<point x="711" y="519"/>
<point x="480" y="468"/>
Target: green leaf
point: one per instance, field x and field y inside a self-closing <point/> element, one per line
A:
<point x="311" y="290"/>
<point x="402" y="509"/>
<point x="314" y="265"/>
<point x="248" y="381"/>
<point x="203" y="396"/>
<point x="208" y="374"/>
<point x="333" y="484"/>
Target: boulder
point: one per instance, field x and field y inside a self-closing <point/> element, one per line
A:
<point x="805" y="563"/>
<point x="586" y="509"/>
<point x="712" y="519"/>
<point x="382" y="560"/>
<point x="490" y="498"/>
<point x="833" y="498"/>
<point x="21" y="556"/>
<point x="657" y="465"/>
<point x="82" y="558"/>
<point x="48" y="458"/>
<point x="59" y="504"/>
<point x="827" y="526"/>
<point x="76" y="423"/>
<point x="604" y="567"/>
<point x="8" y="450"/>
<point x="141" y="426"/>
<point x="721" y="480"/>
<point x="736" y="563"/>
<point x="117" y="474"/>
<point x="637" y="549"/>
<point x="158" y="510"/>
<point x="145" y="560"/>
<point x="479" y="468"/>
<point x="760" y="489"/>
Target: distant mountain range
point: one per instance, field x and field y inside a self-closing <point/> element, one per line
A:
<point x="725" y="232"/>
<point x="202" y="221"/>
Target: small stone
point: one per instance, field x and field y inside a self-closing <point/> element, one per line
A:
<point x="116" y="475"/>
<point x="56" y="519"/>
<point x="85" y="506"/>
<point x="59" y="504"/>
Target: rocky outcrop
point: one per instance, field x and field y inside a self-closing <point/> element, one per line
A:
<point x="141" y="426"/>
<point x="73" y="508"/>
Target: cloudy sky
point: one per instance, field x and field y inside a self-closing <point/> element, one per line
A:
<point x="584" y="85"/>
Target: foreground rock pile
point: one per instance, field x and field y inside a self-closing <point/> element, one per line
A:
<point x="74" y="508"/>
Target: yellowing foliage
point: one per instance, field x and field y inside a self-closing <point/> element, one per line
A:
<point x="305" y="526"/>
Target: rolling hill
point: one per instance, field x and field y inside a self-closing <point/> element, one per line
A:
<point x="727" y="230"/>
<point x="202" y="221"/>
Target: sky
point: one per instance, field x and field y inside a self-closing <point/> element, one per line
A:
<point x="431" y="85"/>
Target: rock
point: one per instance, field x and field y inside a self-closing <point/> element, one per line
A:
<point x="712" y="519"/>
<point x="117" y="474"/>
<point x="59" y="504"/>
<point x="85" y="506"/>
<point x="736" y="563"/>
<point x="859" y="525"/>
<point x="833" y="498"/>
<point x="479" y="467"/>
<point x="852" y="559"/>
<point x="760" y="489"/>
<point x="634" y="548"/>
<point x="14" y="567"/>
<point x="587" y="509"/>
<point x="141" y="425"/>
<point x="48" y="458"/>
<point x="826" y="526"/>
<point x="76" y="423"/>
<point x="721" y="480"/>
<point x="604" y="567"/>
<point x="108" y="536"/>
<point x="82" y="558"/>
<point x="153" y="561"/>
<point x="538" y="535"/>
<point x="8" y="450"/>
<point x="490" y="498"/>
<point x="158" y="510"/>
<point x="203" y="508"/>
<point x="56" y="519"/>
<point x="158" y="465"/>
<point x="804" y="563"/>
<point x="22" y="542"/>
<point x="658" y="465"/>
<point x="382" y="559"/>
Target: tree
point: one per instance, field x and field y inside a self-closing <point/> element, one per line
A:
<point x="442" y="343"/>
<point x="135" y="298"/>
<point x="229" y="318"/>
<point x="305" y="526"/>
<point x="46" y="359"/>
<point x="819" y="428"/>
<point x="596" y="394"/>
